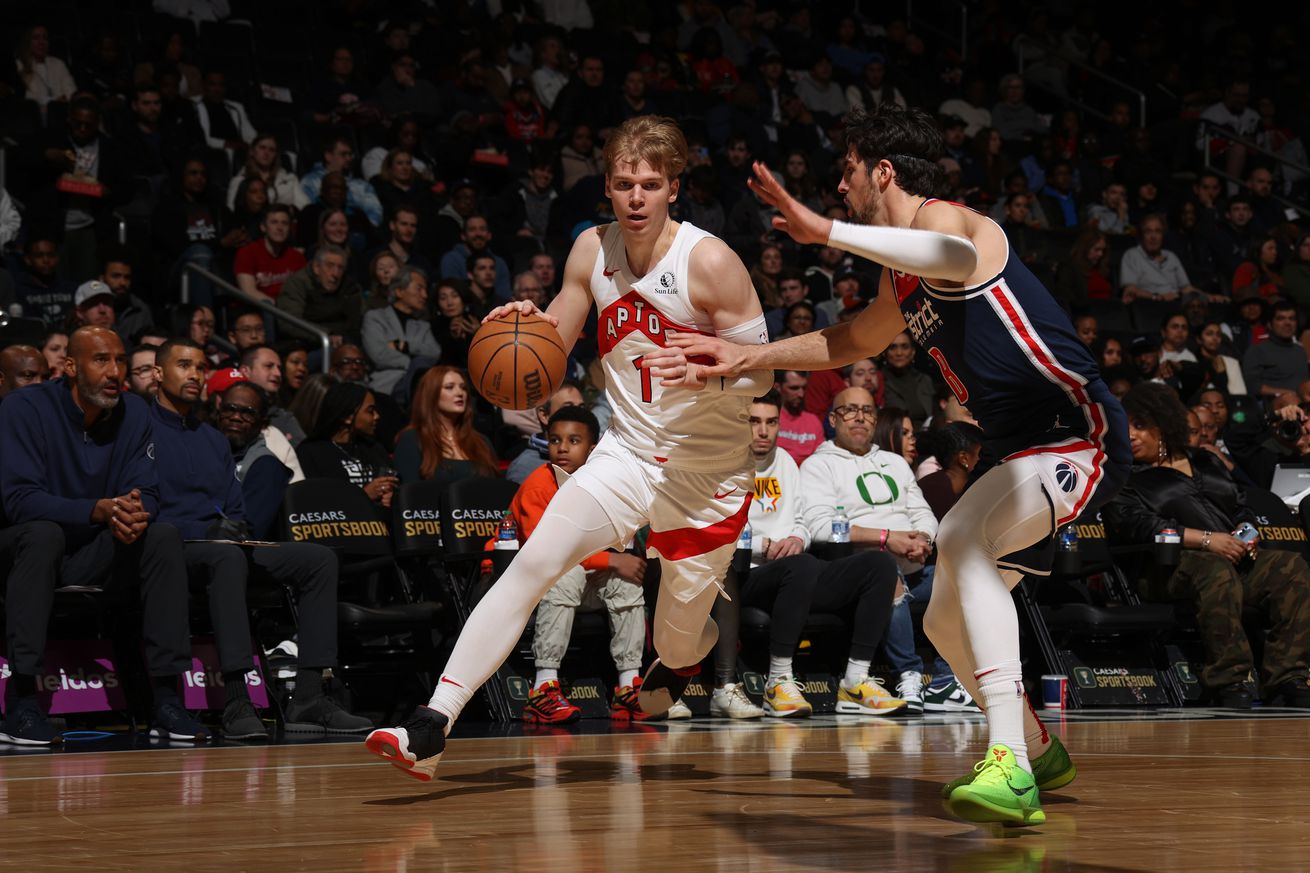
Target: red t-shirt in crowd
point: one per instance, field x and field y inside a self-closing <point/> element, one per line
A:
<point x="270" y="272"/>
<point x="823" y="386"/>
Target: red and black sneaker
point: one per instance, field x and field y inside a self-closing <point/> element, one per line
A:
<point x="624" y="705"/>
<point x="661" y="687"/>
<point x="548" y="705"/>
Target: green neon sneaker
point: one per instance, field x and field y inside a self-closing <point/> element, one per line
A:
<point x="1053" y="770"/>
<point x="1001" y="792"/>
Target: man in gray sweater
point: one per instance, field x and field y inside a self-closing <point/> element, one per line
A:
<point x="1279" y="363"/>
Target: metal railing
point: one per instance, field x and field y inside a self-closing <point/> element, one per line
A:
<point x="263" y="305"/>
<point x="1211" y="131"/>
<point x="1118" y="83"/>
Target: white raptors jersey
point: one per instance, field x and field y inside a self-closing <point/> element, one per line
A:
<point x="690" y="430"/>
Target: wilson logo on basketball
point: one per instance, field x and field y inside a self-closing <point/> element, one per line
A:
<point x="1066" y="477"/>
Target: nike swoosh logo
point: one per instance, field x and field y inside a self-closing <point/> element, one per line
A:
<point x="725" y="493"/>
<point x="1018" y="792"/>
<point x="854" y="696"/>
<point x="610" y="272"/>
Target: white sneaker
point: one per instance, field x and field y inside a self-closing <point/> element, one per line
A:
<point x="678" y="710"/>
<point x="910" y="689"/>
<point x="731" y="701"/>
<point x="949" y="698"/>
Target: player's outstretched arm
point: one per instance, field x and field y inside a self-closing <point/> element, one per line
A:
<point x="836" y="346"/>
<point x="568" y="311"/>
<point x="941" y="249"/>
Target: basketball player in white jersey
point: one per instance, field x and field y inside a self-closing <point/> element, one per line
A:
<point x="673" y="456"/>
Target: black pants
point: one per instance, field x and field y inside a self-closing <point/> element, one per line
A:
<point x="310" y="568"/>
<point x="789" y="588"/>
<point x="39" y="560"/>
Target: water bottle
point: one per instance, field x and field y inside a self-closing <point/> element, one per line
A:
<point x="841" y="534"/>
<point x="741" y="559"/>
<point x="1067" y="559"/>
<point x="507" y="544"/>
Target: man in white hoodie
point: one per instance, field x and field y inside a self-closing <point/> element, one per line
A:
<point x="788" y="582"/>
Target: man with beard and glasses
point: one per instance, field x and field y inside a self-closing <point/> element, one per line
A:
<point x="200" y="495"/>
<point x="80" y="495"/>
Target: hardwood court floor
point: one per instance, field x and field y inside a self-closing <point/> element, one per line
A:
<point x="1194" y="795"/>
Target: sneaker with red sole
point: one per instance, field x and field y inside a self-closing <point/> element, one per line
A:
<point x="548" y="705"/>
<point x="415" y="746"/>
<point x="625" y="705"/>
<point x="661" y="687"/>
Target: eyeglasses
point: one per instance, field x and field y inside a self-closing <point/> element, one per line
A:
<point x="352" y="362"/>
<point x="245" y="412"/>
<point x="849" y="413"/>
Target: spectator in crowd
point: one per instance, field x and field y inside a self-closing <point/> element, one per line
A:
<point x="526" y="287"/>
<point x="141" y="377"/>
<point x="894" y="432"/>
<point x="131" y="313"/>
<point x="476" y="240"/>
<point x="382" y="269"/>
<point x="1190" y="240"/>
<point x="399" y="338"/>
<point x="247" y="329"/>
<point x="817" y="90"/>
<point x="569" y="393"/>
<point x="399" y="186"/>
<point x="549" y="78"/>
<point x="263" y="266"/>
<point x="587" y="100"/>
<point x="1059" y="200"/>
<point x="339" y="157"/>
<point x="335" y="98"/>
<point x="877" y="491"/>
<point x="1175" y="342"/>
<point x="262" y="367"/>
<point x="1082" y="277"/>
<point x="405" y="135"/>
<point x="1013" y="118"/>
<point x="634" y="98"/>
<point x="225" y="123"/>
<point x="54" y="348"/>
<point x="1259" y="448"/>
<point x="450" y="219"/>
<point x="295" y="369"/>
<point x="247" y="212"/>
<point x="525" y="118"/>
<point x="1191" y="491"/>
<point x="264" y="162"/>
<point x="1278" y="364"/>
<point x="78" y="177"/>
<point x="873" y="89"/>
<point x="1266" y="212"/>
<point x="1296" y="277"/>
<point x="404" y="93"/>
<point x="904" y="385"/>
<point x="800" y="431"/>
<point x="791" y="290"/>
<point x="91" y="520"/>
<point x="45" y="77"/>
<point x="403" y="242"/>
<point x="149" y="147"/>
<point x="1087" y="328"/>
<point x="1233" y="114"/>
<point x="440" y="443"/>
<point x="200" y="496"/>
<point x="309" y="399"/>
<point x="324" y="295"/>
<point x="957" y="447"/>
<point x="20" y="366"/>
<point x="1111" y="214"/>
<point x="530" y="210"/>
<point x="542" y="266"/>
<point x="185" y="229"/>
<point x="1232" y="238"/>
<point x="262" y="476"/>
<point x="171" y="57"/>
<point x="580" y="158"/>
<point x="712" y="72"/>
<point x="609" y="580"/>
<point x="455" y="321"/>
<point x="38" y="287"/>
<point x="93" y="304"/>
<point x="799" y="318"/>
<point x="788" y="582"/>
<point x="1222" y="371"/>
<point x="1028" y="242"/>
<point x="1151" y="272"/>
<point x="1261" y="275"/>
<point x="333" y="198"/>
<point x="969" y="105"/>
<point x="341" y="445"/>
<point x="1016" y="183"/>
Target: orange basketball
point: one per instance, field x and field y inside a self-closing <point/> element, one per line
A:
<point x="517" y="361"/>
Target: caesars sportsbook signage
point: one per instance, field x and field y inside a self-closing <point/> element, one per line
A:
<point x="473" y="522"/>
<point x="332" y="524"/>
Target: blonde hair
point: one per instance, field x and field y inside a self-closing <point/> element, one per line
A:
<point x="655" y="139"/>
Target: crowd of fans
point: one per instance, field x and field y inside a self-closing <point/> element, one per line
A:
<point x="392" y="173"/>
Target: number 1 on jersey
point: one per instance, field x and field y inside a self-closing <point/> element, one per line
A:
<point x="957" y="387"/>
<point x="647" y="389"/>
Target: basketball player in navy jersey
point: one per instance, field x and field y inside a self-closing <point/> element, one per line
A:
<point x="1057" y="438"/>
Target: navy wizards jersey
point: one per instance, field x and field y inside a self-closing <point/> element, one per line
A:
<point x="1010" y="354"/>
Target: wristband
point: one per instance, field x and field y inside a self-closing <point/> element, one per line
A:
<point x="1205" y="540"/>
<point x="882" y="540"/>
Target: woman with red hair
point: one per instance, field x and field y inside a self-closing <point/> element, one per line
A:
<point x="440" y="443"/>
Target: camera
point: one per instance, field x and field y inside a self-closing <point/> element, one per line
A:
<point x="1289" y="431"/>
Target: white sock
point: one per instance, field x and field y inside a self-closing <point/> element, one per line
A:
<point x="1035" y="734"/>
<point x="856" y="672"/>
<point x="1001" y="687"/>
<point x="545" y="674"/>
<point x="627" y="677"/>
<point x="779" y="669"/>
<point x="449" y="698"/>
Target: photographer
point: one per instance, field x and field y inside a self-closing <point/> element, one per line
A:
<point x="1172" y="486"/>
<point x="1259" y="445"/>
